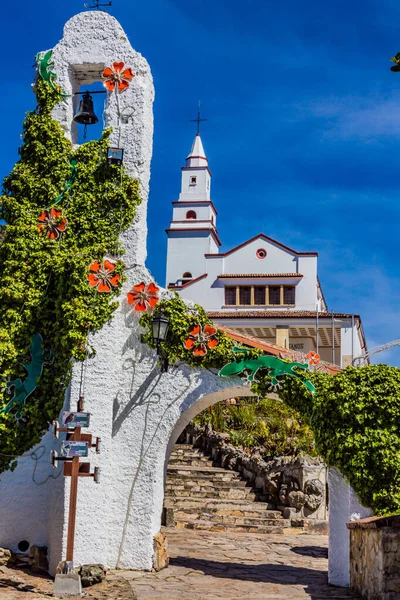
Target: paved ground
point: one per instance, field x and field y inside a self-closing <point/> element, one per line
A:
<point x="211" y="566"/>
<point x="240" y="566"/>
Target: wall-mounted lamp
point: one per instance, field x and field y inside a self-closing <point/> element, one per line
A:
<point x="160" y="326"/>
<point x="115" y="156"/>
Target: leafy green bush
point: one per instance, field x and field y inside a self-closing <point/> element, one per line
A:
<point x="355" y="417"/>
<point x="269" y="424"/>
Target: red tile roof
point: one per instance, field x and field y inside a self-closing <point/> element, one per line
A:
<point x="187" y="283"/>
<point x="272" y="314"/>
<point x="266" y="238"/>
<point x="253" y="342"/>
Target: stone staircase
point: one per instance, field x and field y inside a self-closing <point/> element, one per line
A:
<point x="201" y="496"/>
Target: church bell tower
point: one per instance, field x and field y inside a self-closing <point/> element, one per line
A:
<point x="192" y="232"/>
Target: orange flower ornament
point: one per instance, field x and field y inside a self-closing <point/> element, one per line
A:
<point x="143" y="297"/>
<point x="200" y="340"/>
<point x="115" y="76"/>
<point x="313" y="358"/>
<point x="102" y="276"/>
<point x="52" y="223"/>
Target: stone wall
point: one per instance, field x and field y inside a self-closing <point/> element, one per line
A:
<point x="295" y="485"/>
<point x="375" y="557"/>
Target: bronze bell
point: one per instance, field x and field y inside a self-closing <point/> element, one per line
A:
<point x="85" y="114"/>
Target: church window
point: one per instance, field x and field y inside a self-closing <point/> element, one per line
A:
<point x="261" y="253"/>
<point x="187" y="275"/>
<point x="193" y="180"/>
<point x="245" y="295"/>
<point x="274" y="294"/>
<point x="289" y="295"/>
<point x="191" y="214"/>
<point x="259" y="295"/>
<point x="230" y="296"/>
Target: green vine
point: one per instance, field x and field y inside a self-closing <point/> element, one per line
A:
<point x="44" y="287"/>
<point x="181" y="320"/>
<point x="354" y="415"/>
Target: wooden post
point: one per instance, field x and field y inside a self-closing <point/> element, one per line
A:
<point x="73" y="498"/>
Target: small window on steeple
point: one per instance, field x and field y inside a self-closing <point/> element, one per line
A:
<point x="193" y="180"/>
<point x="191" y="214"/>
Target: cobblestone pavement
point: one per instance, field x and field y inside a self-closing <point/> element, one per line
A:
<point x="240" y="566"/>
<point x="209" y="566"/>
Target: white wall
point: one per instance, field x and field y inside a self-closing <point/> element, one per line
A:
<point x="343" y="506"/>
<point x="203" y="212"/>
<point x="209" y="292"/>
<point x="202" y="189"/>
<point x="186" y="253"/>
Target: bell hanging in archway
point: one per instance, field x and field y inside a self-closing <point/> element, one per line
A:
<point x="85" y="114"/>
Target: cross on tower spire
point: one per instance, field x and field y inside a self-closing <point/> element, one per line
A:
<point x="198" y="120"/>
<point x="96" y="4"/>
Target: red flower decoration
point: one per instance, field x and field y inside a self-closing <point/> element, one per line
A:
<point x="102" y="277"/>
<point x="116" y="75"/>
<point x="199" y="340"/>
<point x="313" y="358"/>
<point x="52" y="224"/>
<point x="143" y="297"/>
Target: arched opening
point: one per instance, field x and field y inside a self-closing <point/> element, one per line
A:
<point x="191" y="214"/>
<point x="241" y="441"/>
<point x="187" y="275"/>
<point x="217" y="550"/>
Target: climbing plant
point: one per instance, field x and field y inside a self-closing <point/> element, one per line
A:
<point x="355" y="418"/>
<point x="182" y="321"/>
<point x="64" y="210"/>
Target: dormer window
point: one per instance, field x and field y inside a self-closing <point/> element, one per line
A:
<point x="193" y="180"/>
<point x="191" y="214"/>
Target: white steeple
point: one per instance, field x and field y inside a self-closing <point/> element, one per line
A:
<point x="196" y="176"/>
<point x="197" y="156"/>
<point x="192" y="232"/>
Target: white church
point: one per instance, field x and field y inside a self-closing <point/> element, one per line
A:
<point x="260" y="288"/>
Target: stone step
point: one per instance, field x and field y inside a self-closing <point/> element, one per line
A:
<point x="225" y="527"/>
<point x="221" y="503"/>
<point x="202" y="472"/>
<point x="239" y="507"/>
<point x="191" y="462"/>
<point x="189" y="451"/>
<point x="228" y="494"/>
<point x="226" y="515"/>
<point x="226" y="519"/>
<point x="204" y="483"/>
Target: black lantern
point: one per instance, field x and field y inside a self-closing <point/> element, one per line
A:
<point x="85" y="114"/>
<point x="160" y="326"/>
<point x="115" y="156"/>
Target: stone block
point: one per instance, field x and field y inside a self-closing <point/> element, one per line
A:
<point x="160" y="555"/>
<point x="5" y="557"/>
<point x="67" y="586"/>
<point x="92" y="574"/>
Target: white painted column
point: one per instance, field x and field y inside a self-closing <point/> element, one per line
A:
<point x="343" y="507"/>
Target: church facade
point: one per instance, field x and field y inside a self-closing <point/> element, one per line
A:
<point x="261" y="287"/>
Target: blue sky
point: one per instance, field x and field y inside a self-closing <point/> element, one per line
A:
<point x="302" y="134"/>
